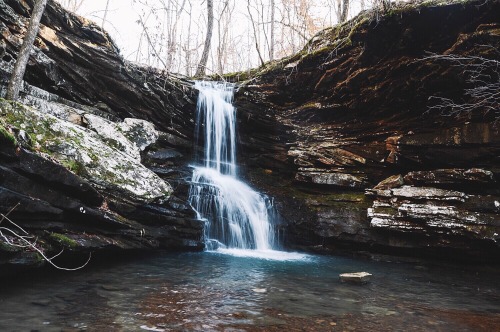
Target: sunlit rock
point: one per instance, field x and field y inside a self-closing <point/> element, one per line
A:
<point x="357" y="277"/>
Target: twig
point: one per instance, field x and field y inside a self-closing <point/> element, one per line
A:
<point x="32" y="245"/>
<point x="482" y="74"/>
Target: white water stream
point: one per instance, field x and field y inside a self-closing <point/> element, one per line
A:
<point x="238" y="219"/>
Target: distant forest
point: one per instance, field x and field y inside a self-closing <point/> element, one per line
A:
<point x="219" y="36"/>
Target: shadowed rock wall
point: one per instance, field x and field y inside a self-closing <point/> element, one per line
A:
<point x="322" y="128"/>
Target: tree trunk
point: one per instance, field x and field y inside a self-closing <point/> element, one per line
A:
<point x="257" y="47"/>
<point x="105" y="14"/>
<point x="345" y="10"/>
<point x="271" y="47"/>
<point x="342" y="10"/>
<point x="24" y="54"/>
<point x="200" y="71"/>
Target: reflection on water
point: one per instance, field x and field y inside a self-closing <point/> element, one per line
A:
<point x="220" y="292"/>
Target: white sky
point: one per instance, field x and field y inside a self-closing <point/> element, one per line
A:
<point x="120" y="21"/>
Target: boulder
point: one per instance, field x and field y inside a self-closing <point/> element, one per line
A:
<point x="88" y="154"/>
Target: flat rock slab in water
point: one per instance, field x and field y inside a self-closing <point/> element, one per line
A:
<point x="357" y="277"/>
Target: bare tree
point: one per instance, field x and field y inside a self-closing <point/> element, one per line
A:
<point x="105" y="15"/>
<point x="271" y="46"/>
<point x="255" y="33"/>
<point x="22" y="59"/>
<point x="176" y="35"/>
<point x="342" y="10"/>
<point x="200" y="71"/>
<point x="224" y="21"/>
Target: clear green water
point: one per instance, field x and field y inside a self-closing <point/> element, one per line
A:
<point x="216" y="292"/>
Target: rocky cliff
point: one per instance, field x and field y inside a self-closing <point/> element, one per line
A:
<point x="92" y="158"/>
<point x="375" y="136"/>
<point x="354" y="137"/>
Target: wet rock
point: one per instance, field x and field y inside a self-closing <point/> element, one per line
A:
<point x="356" y="277"/>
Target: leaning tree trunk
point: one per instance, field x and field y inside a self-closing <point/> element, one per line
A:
<point x="24" y="54"/>
<point x="200" y="71"/>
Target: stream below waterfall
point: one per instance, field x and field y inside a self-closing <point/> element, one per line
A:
<point x="211" y="291"/>
<point x="245" y="283"/>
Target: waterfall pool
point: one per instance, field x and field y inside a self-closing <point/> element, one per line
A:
<point x="213" y="291"/>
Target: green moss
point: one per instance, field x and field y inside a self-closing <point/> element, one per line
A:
<point x="40" y="130"/>
<point x="74" y="166"/>
<point x="114" y="144"/>
<point x="63" y="240"/>
<point x="6" y="137"/>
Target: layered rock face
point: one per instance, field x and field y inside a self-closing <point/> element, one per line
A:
<point x="350" y="138"/>
<point x="93" y="157"/>
<point x="343" y="135"/>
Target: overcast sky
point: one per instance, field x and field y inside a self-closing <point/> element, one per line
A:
<point x="120" y="21"/>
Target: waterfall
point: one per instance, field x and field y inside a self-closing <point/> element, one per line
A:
<point x="236" y="216"/>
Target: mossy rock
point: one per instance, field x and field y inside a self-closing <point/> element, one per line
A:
<point x="86" y="153"/>
<point x="64" y="240"/>
<point x="6" y="137"/>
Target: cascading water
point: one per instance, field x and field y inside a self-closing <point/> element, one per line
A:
<point x="236" y="216"/>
